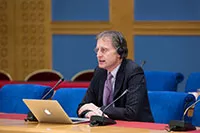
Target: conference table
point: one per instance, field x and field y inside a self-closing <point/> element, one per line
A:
<point x="14" y="123"/>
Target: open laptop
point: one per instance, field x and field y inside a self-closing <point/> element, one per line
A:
<point x="50" y="111"/>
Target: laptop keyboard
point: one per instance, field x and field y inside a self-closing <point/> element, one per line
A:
<point x="75" y="120"/>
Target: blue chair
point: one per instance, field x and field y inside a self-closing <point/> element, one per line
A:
<point x="193" y="82"/>
<point x="11" y="96"/>
<point x="69" y="99"/>
<point x="196" y="114"/>
<point x="169" y="105"/>
<point x="163" y="81"/>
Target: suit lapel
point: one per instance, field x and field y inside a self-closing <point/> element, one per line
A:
<point x="119" y="79"/>
<point x="101" y="87"/>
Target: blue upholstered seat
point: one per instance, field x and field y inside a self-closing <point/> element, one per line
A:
<point x="163" y="81"/>
<point x="193" y="82"/>
<point x="196" y="114"/>
<point x="11" y="96"/>
<point x="69" y="99"/>
<point x="169" y="105"/>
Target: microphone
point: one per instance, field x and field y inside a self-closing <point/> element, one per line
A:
<point x="97" y="120"/>
<point x="59" y="81"/>
<point x="30" y="116"/>
<point x="181" y="125"/>
<point x="143" y="63"/>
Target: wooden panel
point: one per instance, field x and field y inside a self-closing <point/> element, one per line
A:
<point x="167" y="28"/>
<point x="121" y="18"/>
<point x="33" y="38"/>
<point x="7" y="36"/>
<point x="79" y="27"/>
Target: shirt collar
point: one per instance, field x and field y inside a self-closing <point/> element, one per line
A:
<point x="114" y="71"/>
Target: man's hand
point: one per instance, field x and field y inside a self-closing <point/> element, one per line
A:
<point x="94" y="110"/>
<point x="98" y="112"/>
<point x="89" y="106"/>
<point x="89" y="114"/>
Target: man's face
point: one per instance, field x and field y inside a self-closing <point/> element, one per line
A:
<point x="107" y="56"/>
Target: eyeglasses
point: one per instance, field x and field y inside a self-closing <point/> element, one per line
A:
<point x="102" y="50"/>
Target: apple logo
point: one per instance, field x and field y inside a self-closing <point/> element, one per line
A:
<point x="46" y="111"/>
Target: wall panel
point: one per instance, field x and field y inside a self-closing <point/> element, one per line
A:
<point x="169" y="53"/>
<point x="73" y="53"/>
<point x="7" y="40"/>
<point x="80" y="10"/>
<point x="33" y="38"/>
<point x="165" y="10"/>
<point x="121" y="19"/>
<point x="166" y="28"/>
<point x="65" y="27"/>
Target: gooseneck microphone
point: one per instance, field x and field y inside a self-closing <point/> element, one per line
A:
<point x="97" y="120"/>
<point x="190" y="108"/>
<point x="143" y="63"/>
<point x="114" y="101"/>
<point x="30" y="116"/>
<point x="181" y="125"/>
<point x="59" y="81"/>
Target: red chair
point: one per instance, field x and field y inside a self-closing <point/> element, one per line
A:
<point x="85" y="75"/>
<point x="5" y="76"/>
<point x="44" y="75"/>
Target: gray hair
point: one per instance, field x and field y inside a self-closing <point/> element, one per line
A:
<point x="118" y="41"/>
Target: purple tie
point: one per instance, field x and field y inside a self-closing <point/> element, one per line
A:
<point x="108" y="91"/>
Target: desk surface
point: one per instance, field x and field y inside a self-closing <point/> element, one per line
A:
<point x="19" y="126"/>
<point x="10" y="123"/>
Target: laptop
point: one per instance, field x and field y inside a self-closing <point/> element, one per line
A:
<point x="50" y="111"/>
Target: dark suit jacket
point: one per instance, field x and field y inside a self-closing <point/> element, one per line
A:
<point x="134" y="105"/>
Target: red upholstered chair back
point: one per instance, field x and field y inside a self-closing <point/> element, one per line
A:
<point x="5" y="76"/>
<point x="44" y="75"/>
<point x="85" y="75"/>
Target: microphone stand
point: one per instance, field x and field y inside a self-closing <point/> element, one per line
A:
<point x="177" y="125"/>
<point x="59" y="81"/>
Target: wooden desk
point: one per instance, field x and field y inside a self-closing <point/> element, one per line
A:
<point x="19" y="126"/>
<point x="14" y="123"/>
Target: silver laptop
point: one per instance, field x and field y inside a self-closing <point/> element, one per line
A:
<point x="50" y="111"/>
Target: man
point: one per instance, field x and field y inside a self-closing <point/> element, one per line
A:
<point x="118" y="73"/>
